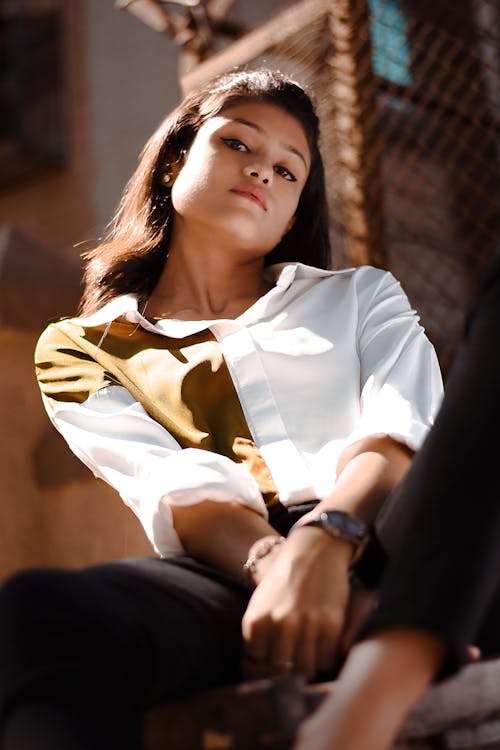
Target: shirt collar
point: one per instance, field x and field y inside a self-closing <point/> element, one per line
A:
<point x="283" y="275"/>
<point x="115" y="309"/>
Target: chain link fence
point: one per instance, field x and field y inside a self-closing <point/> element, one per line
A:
<point x="409" y="97"/>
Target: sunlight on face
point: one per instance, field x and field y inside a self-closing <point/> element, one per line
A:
<point x="242" y="178"/>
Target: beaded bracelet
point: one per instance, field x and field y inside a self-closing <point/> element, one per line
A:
<point x="259" y="550"/>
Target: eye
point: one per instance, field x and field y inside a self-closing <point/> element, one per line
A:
<point x="235" y="144"/>
<point x="285" y="173"/>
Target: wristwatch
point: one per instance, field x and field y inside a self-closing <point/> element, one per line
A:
<point x="340" y="525"/>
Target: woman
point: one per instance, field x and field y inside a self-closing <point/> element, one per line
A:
<point x="230" y="393"/>
<point x="439" y="603"/>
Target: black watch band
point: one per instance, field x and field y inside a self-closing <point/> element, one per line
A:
<point x="340" y="525"/>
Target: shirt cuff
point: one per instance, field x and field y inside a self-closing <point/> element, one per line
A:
<point x="389" y="412"/>
<point x="189" y="477"/>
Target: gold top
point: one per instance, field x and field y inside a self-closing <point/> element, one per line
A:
<point x="184" y="384"/>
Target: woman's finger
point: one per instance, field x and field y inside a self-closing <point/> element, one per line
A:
<point x="270" y="649"/>
<point x="305" y="653"/>
<point x="257" y="637"/>
<point x="283" y="647"/>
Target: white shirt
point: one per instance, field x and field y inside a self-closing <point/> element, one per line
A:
<point x="324" y="359"/>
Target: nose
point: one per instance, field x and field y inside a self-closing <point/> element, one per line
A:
<point x="259" y="172"/>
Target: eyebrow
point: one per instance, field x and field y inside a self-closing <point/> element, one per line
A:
<point x="287" y="146"/>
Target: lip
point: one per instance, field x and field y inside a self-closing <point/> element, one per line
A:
<point x="253" y="193"/>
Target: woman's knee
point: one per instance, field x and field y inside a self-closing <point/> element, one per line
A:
<point x="48" y="616"/>
<point x="31" y="604"/>
<point x="28" y="598"/>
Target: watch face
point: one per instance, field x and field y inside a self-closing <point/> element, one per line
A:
<point x="344" y="524"/>
<point x="353" y="526"/>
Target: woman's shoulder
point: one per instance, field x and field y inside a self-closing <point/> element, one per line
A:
<point x="357" y="273"/>
<point x="360" y="285"/>
<point x="56" y="331"/>
<point x="76" y="327"/>
<point x="361" y="280"/>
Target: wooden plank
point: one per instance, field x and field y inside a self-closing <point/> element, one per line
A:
<point x="462" y="713"/>
<point x="252" y="715"/>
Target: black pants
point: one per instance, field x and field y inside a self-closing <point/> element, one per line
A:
<point x="442" y="528"/>
<point x="83" y="652"/>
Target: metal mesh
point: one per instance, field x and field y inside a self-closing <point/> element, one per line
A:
<point x="409" y="98"/>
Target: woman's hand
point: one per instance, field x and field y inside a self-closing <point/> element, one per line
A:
<point x="295" y="617"/>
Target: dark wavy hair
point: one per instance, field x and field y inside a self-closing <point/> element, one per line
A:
<point x="131" y="257"/>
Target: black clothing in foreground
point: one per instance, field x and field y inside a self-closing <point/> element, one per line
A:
<point x="82" y="653"/>
<point x="442" y="528"/>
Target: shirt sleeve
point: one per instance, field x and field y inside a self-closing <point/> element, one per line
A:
<point x="119" y="442"/>
<point x="400" y="379"/>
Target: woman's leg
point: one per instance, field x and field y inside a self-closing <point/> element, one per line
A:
<point x="443" y="526"/>
<point x="83" y="652"/>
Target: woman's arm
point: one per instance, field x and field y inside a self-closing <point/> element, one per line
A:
<point x="367" y="471"/>
<point x="223" y="534"/>
<point x="220" y="534"/>
<point x="381" y="680"/>
<point x="297" y="612"/>
<point x="121" y="444"/>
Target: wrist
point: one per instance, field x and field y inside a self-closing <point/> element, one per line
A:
<point x="260" y="554"/>
<point x="304" y="539"/>
<point x="338" y="527"/>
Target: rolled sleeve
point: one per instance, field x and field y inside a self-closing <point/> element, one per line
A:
<point x="400" y="384"/>
<point x="120" y="443"/>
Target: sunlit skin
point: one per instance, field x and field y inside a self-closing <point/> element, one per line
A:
<point x="382" y="679"/>
<point x="234" y="198"/>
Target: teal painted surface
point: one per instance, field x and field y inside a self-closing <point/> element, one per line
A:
<point x="389" y="37"/>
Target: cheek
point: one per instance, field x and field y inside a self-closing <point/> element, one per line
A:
<point x="191" y="185"/>
<point x="196" y="180"/>
<point x="188" y="189"/>
<point x="289" y="210"/>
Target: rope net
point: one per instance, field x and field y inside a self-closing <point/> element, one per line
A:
<point x="409" y="97"/>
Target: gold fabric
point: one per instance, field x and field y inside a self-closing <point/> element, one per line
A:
<point x="183" y="384"/>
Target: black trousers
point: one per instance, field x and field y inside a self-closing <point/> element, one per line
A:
<point x="442" y="526"/>
<point x="83" y="653"/>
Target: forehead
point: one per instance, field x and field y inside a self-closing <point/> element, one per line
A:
<point x="270" y="119"/>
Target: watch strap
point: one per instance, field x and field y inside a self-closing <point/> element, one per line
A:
<point x="340" y="525"/>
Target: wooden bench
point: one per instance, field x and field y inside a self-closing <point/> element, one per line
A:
<point x="462" y="713"/>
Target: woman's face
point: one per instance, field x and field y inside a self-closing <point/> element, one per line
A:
<point x="242" y="177"/>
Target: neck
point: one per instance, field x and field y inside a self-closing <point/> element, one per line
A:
<point x="204" y="280"/>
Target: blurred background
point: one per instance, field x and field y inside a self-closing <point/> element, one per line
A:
<point x="409" y="97"/>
